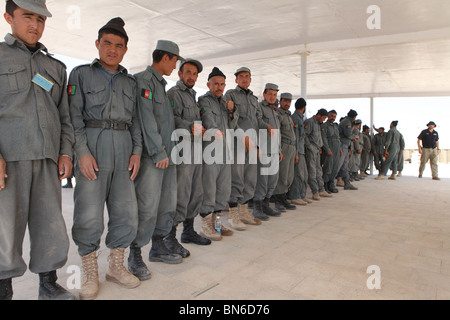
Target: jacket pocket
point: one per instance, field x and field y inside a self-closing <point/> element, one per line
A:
<point x="13" y="78"/>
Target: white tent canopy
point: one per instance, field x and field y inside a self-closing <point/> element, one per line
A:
<point x="409" y="55"/>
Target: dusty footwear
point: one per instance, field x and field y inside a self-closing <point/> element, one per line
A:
<point x="308" y="201"/>
<point x="246" y="217"/>
<point x="173" y="245"/>
<point x="50" y="290"/>
<point x="190" y="236"/>
<point x="392" y="177"/>
<point x="332" y="187"/>
<point x="316" y="197"/>
<point x="299" y="202"/>
<point x="89" y="284"/>
<point x="380" y="177"/>
<point x="349" y="186"/>
<point x="340" y="182"/>
<point x="436" y="178"/>
<point x="324" y="194"/>
<point x="282" y="198"/>
<point x="225" y="231"/>
<point x="160" y="253"/>
<point x="117" y="272"/>
<point x="399" y="174"/>
<point x="234" y="220"/>
<point x="136" y="264"/>
<point x="6" y="291"/>
<point x="268" y="210"/>
<point x="208" y="228"/>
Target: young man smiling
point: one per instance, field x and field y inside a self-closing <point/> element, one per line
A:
<point x="36" y="140"/>
<point x="108" y="149"/>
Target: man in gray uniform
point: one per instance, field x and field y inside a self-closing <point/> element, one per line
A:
<point x="289" y="150"/>
<point x="356" y="148"/>
<point x="313" y="144"/>
<point x="299" y="186"/>
<point x="189" y="175"/>
<point x="218" y="116"/>
<point x="108" y="149"/>
<point x="366" y="151"/>
<point x="347" y="137"/>
<point x="392" y="148"/>
<point x="331" y="152"/>
<point x="378" y="148"/>
<point x="270" y="151"/>
<point x="36" y="140"/>
<point x="156" y="184"/>
<point x="244" y="175"/>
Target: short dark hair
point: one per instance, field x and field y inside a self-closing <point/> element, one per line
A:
<point x="159" y="54"/>
<point x="300" y="104"/>
<point x="11" y="6"/>
<point x="114" y="32"/>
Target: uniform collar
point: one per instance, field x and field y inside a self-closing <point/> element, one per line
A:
<point x="157" y="75"/>
<point x="271" y="106"/>
<point x="12" y="41"/>
<point x="97" y="62"/>
<point x="182" y="86"/>
<point x="281" y="110"/>
<point x="248" y="91"/>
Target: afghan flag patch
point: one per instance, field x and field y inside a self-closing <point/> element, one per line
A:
<point x="71" y="90"/>
<point x="147" y="94"/>
<point x="295" y="126"/>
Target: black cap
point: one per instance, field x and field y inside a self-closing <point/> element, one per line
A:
<point x="215" y="73"/>
<point x="352" y="113"/>
<point x="117" y="25"/>
<point x="395" y="123"/>
<point x="431" y="123"/>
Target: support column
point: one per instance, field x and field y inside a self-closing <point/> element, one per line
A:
<point x="371" y="131"/>
<point x="304" y="72"/>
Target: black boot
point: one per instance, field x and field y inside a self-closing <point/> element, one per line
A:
<point x="258" y="211"/>
<point x="278" y="205"/>
<point x="268" y="210"/>
<point x="6" y="291"/>
<point x="190" y="236"/>
<point x="160" y="253"/>
<point x="332" y="187"/>
<point x="68" y="185"/>
<point x="136" y="264"/>
<point x="173" y="245"/>
<point x="283" y="200"/>
<point x="325" y="186"/>
<point x="50" y="290"/>
<point x="349" y="186"/>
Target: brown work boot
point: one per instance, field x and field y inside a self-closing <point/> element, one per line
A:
<point x="225" y="231"/>
<point x="340" y="182"/>
<point x="89" y="284"/>
<point x="234" y="220"/>
<point x="298" y="202"/>
<point x="392" y="177"/>
<point x="316" y="197"/>
<point x="325" y="194"/>
<point x="380" y="177"/>
<point x="117" y="272"/>
<point x="208" y="230"/>
<point x="246" y="217"/>
<point x="308" y="201"/>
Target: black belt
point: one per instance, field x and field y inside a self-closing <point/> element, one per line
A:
<point x="108" y="124"/>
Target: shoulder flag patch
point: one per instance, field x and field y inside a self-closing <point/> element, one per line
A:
<point x="171" y="103"/>
<point x="147" y="94"/>
<point x="295" y="126"/>
<point x="202" y="111"/>
<point x="71" y="90"/>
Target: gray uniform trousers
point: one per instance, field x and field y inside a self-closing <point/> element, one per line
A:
<point x="189" y="191"/>
<point x="243" y="180"/>
<point x="343" y="164"/>
<point x="112" y="151"/>
<point x="331" y="164"/>
<point x="391" y="160"/>
<point x="266" y="184"/>
<point x="315" y="173"/>
<point x="216" y="186"/>
<point x="157" y="200"/>
<point x="299" y="185"/>
<point x="32" y="197"/>
<point x="286" y="171"/>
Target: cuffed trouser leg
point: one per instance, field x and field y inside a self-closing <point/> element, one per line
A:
<point x="189" y="191"/>
<point x="32" y="197"/>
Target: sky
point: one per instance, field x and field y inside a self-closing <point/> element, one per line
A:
<point x="413" y="114"/>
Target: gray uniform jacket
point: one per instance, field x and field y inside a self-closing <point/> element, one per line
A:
<point x="215" y="115"/>
<point x="287" y="131"/>
<point x="392" y="139"/>
<point x="345" y="131"/>
<point x="156" y="115"/>
<point x="96" y="95"/>
<point x="270" y="117"/>
<point x="299" y="127"/>
<point x="378" y="143"/>
<point x="367" y="145"/>
<point x="34" y="124"/>
<point x="184" y="105"/>
<point x="313" y="134"/>
<point x="330" y="133"/>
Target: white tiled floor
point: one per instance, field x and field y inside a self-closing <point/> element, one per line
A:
<point x="321" y="251"/>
